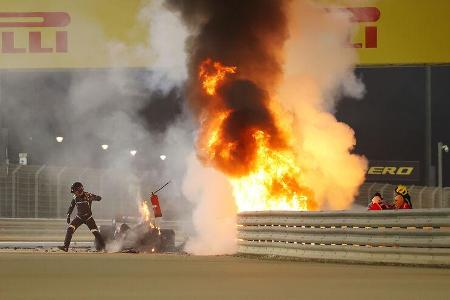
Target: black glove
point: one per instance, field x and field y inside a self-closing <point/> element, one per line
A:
<point x="68" y="219"/>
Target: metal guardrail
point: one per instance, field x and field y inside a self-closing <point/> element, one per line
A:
<point x="419" y="236"/>
<point x="49" y="230"/>
<point x="53" y="230"/>
<point x="43" y="191"/>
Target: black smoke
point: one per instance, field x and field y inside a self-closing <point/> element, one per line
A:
<point x="249" y="35"/>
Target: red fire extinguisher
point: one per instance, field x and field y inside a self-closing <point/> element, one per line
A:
<point x="155" y="205"/>
<point x="155" y="202"/>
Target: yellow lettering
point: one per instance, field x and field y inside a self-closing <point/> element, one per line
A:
<point x="405" y="171"/>
<point x="389" y="170"/>
<point x="375" y="170"/>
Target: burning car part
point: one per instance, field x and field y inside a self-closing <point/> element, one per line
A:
<point x="144" y="236"/>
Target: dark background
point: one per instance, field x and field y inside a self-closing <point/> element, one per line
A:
<point x="389" y="121"/>
<point x="35" y="108"/>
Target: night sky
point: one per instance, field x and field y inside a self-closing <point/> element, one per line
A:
<point x="389" y="121"/>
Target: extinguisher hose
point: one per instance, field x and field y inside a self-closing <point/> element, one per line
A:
<point x="161" y="187"/>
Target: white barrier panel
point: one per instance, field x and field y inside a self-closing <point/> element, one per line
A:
<point x="41" y="230"/>
<point x="419" y="236"/>
<point x="52" y="230"/>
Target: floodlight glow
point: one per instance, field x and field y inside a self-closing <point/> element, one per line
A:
<point x="133" y="152"/>
<point x="163" y="157"/>
<point x="105" y="147"/>
<point x="59" y="139"/>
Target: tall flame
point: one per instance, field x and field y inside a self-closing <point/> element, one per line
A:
<point x="271" y="177"/>
<point x="146" y="216"/>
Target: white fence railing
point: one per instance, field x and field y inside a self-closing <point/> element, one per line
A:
<point x="42" y="230"/>
<point x="419" y="236"/>
<point x="53" y="230"/>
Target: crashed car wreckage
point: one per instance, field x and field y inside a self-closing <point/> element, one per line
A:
<point x="128" y="234"/>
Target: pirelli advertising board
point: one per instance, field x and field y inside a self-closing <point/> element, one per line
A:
<point x="79" y="33"/>
<point x="393" y="171"/>
<point x="72" y="34"/>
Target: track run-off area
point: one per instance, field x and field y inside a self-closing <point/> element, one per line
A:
<point x="47" y="274"/>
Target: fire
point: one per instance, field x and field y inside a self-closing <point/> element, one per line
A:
<point x="271" y="178"/>
<point x="146" y="216"/>
<point x="211" y="73"/>
<point x="273" y="183"/>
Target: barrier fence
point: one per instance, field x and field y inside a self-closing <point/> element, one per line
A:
<point x="42" y="230"/>
<point x="54" y="230"/>
<point x="422" y="196"/>
<point x="44" y="191"/>
<point x="420" y="236"/>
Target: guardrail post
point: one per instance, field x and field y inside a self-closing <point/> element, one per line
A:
<point x="58" y="190"/>
<point x="13" y="191"/>
<point x="434" y="199"/>
<point x="3" y="198"/>
<point x="82" y="174"/>
<point x="36" y="190"/>
<point x="369" y="192"/>
<point x="383" y="189"/>
<point x="420" y="196"/>
<point x="446" y="198"/>
<point x="101" y="182"/>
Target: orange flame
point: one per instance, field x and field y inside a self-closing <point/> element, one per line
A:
<point x="146" y="216"/>
<point x="212" y="73"/>
<point x="272" y="180"/>
<point x="273" y="184"/>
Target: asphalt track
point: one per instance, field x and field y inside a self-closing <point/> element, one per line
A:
<point x="48" y="274"/>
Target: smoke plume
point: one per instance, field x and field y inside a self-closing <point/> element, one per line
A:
<point x="214" y="216"/>
<point x="318" y="71"/>
<point x="248" y="35"/>
<point x="267" y="75"/>
<point x="127" y="109"/>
